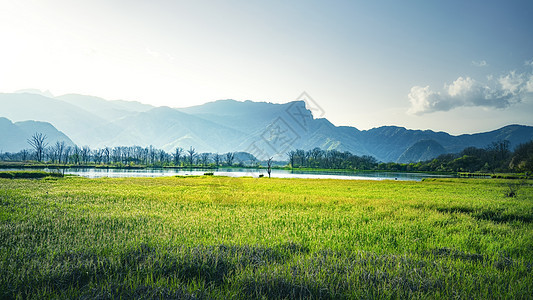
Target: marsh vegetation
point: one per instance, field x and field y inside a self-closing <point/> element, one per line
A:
<point x="219" y="237"/>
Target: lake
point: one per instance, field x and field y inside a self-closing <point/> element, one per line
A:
<point x="241" y="172"/>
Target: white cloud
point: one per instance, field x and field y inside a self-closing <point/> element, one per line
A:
<point x="514" y="82"/>
<point x="529" y="84"/>
<point x="422" y="98"/>
<point x="467" y="92"/>
<point x="481" y="63"/>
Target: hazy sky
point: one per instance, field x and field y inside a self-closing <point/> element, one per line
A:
<point x="458" y="66"/>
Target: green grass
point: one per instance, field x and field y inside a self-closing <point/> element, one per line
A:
<point x="219" y="237"/>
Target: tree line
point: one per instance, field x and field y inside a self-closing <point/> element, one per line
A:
<point x="497" y="157"/>
<point x="329" y="159"/>
<point x="61" y="153"/>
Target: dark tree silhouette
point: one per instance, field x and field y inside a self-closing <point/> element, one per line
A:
<point x="269" y="166"/>
<point x="76" y="154"/>
<point x="523" y="158"/>
<point x="229" y="158"/>
<point x="51" y="154"/>
<point x="191" y="152"/>
<point x="300" y="155"/>
<point x="292" y="156"/>
<point x="38" y="142"/>
<point x="24" y="153"/>
<point x="205" y="158"/>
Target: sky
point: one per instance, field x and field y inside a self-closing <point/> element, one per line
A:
<point x="456" y="66"/>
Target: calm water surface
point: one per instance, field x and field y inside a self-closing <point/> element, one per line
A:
<point x="239" y="172"/>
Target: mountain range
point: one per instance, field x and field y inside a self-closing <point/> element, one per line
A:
<point x="14" y="136"/>
<point x="260" y="128"/>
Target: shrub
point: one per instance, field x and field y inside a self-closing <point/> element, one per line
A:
<point x="28" y="174"/>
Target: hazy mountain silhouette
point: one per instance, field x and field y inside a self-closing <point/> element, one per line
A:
<point x="108" y="110"/>
<point x="168" y="128"/>
<point x="14" y="136"/>
<point x="35" y="91"/>
<point x="70" y="119"/>
<point x="261" y="128"/>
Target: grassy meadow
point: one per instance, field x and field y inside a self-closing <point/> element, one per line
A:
<point x="258" y="238"/>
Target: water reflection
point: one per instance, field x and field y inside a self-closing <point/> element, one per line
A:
<point x="241" y="172"/>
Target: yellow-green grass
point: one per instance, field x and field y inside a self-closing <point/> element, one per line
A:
<point x="221" y="237"/>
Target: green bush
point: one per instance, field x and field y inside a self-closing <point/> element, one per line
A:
<point x="28" y="174"/>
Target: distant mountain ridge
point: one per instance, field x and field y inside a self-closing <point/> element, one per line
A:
<point x="14" y="136"/>
<point x="108" y="110"/>
<point x="260" y="128"/>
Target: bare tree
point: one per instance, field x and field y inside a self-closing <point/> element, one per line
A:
<point x="191" y="152"/>
<point x="85" y="154"/>
<point x="116" y="154"/>
<point x="24" y="153"/>
<point x="177" y="155"/>
<point x="146" y="155"/>
<point x="126" y="155"/>
<point x="162" y="157"/>
<point x="216" y="158"/>
<point x="106" y="154"/>
<point x="68" y="149"/>
<point x="151" y="154"/>
<point x="38" y="142"/>
<point x="205" y="158"/>
<point x="229" y="158"/>
<point x="269" y="166"/>
<point x="98" y="155"/>
<point x="138" y="153"/>
<point x="76" y="154"/>
<point x="50" y="153"/>
<point x="59" y="147"/>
